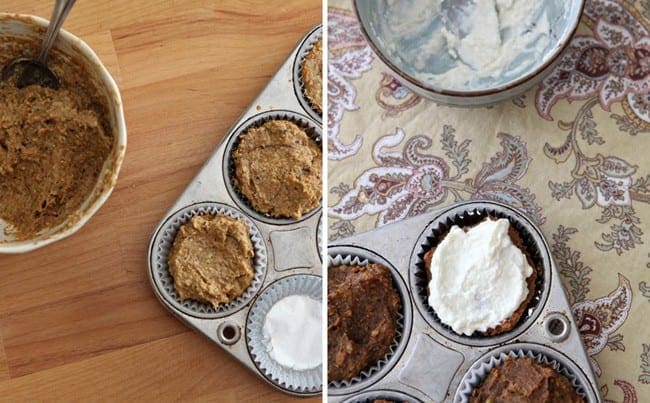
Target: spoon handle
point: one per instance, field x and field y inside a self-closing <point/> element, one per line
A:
<point x="61" y="10"/>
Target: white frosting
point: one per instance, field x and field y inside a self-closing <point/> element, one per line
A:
<point x="502" y="38"/>
<point x="478" y="277"/>
<point x="293" y="330"/>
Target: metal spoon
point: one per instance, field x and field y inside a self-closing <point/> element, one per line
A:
<point x="35" y="71"/>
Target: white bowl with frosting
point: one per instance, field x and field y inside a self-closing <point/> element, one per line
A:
<point x="484" y="52"/>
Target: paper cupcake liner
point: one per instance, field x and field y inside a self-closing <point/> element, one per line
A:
<point x="309" y="381"/>
<point x="164" y="281"/>
<point x="467" y="215"/>
<point x="377" y="370"/>
<point x="390" y="395"/>
<point x="298" y="82"/>
<point x="541" y="354"/>
<point x="310" y="128"/>
<point x="319" y="238"/>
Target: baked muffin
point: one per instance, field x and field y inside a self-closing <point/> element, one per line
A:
<point x="278" y="169"/>
<point x="474" y="294"/>
<point x="211" y="259"/>
<point x="362" y="312"/>
<point x="524" y="380"/>
<point x="312" y="75"/>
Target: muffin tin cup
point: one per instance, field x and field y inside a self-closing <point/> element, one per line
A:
<point x="359" y="257"/>
<point x="283" y="247"/>
<point x="309" y="380"/>
<point x="433" y="361"/>
<point x="390" y="395"/>
<point x="309" y="126"/>
<point x="163" y="279"/>
<point x="436" y="231"/>
<point x="298" y="83"/>
<point x="541" y="354"/>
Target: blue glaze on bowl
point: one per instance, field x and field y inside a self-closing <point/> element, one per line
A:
<point x="563" y="17"/>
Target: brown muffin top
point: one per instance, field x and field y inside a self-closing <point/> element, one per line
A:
<point x="517" y="240"/>
<point x="362" y="312"/>
<point x="524" y="380"/>
<point x="278" y="169"/>
<point x="211" y="259"/>
<point x="312" y="75"/>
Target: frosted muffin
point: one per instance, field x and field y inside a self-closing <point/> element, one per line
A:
<point x="524" y="380"/>
<point x="211" y="259"/>
<point x="278" y="169"/>
<point x="362" y="313"/>
<point x="312" y="75"/>
<point x="481" y="278"/>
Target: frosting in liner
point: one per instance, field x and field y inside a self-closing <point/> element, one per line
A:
<point x="478" y="277"/>
<point x="292" y="331"/>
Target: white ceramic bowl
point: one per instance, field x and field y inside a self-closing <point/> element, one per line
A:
<point x="400" y="53"/>
<point x="27" y="26"/>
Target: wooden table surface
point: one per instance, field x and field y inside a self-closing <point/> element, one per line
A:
<point x="78" y="319"/>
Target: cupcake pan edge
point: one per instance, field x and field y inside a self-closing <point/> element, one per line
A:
<point x="209" y="185"/>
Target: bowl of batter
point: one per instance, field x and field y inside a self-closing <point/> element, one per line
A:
<point x="60" y="150"/>
<point x="469" y="52"/>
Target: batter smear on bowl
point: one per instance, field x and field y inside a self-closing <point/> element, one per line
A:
<point x="211" y="259"/>
<point x="362" y="313"/>
<point x="53" y="145"/>
<point x="278" y="169"/>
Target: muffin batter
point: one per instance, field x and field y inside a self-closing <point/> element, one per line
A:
<point x="53" y="145"/>
<point x="278" y="169"/>
<point x="312" y="75"/>
<point x="211" y="259"/>
<point x="362" y="312"/>
<point x="524" y="380"/>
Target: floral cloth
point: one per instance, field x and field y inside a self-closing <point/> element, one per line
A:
<point x="573" y="153"/>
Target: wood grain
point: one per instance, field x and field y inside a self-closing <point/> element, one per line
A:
<point x="78" y="319"/>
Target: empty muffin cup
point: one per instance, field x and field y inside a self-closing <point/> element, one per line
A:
<point x="163" y="280"/>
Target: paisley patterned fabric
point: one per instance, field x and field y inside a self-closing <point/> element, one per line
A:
<point x="572" y="153"/>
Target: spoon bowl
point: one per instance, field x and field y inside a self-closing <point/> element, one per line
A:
<point x="26" y="72"/>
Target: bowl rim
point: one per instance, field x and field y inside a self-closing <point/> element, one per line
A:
<point x="557" y="52"/>
<point x="116" y="158"/>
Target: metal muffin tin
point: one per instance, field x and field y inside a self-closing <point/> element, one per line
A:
<point x="284" y="248"/>
<point x="436" y="364"/>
